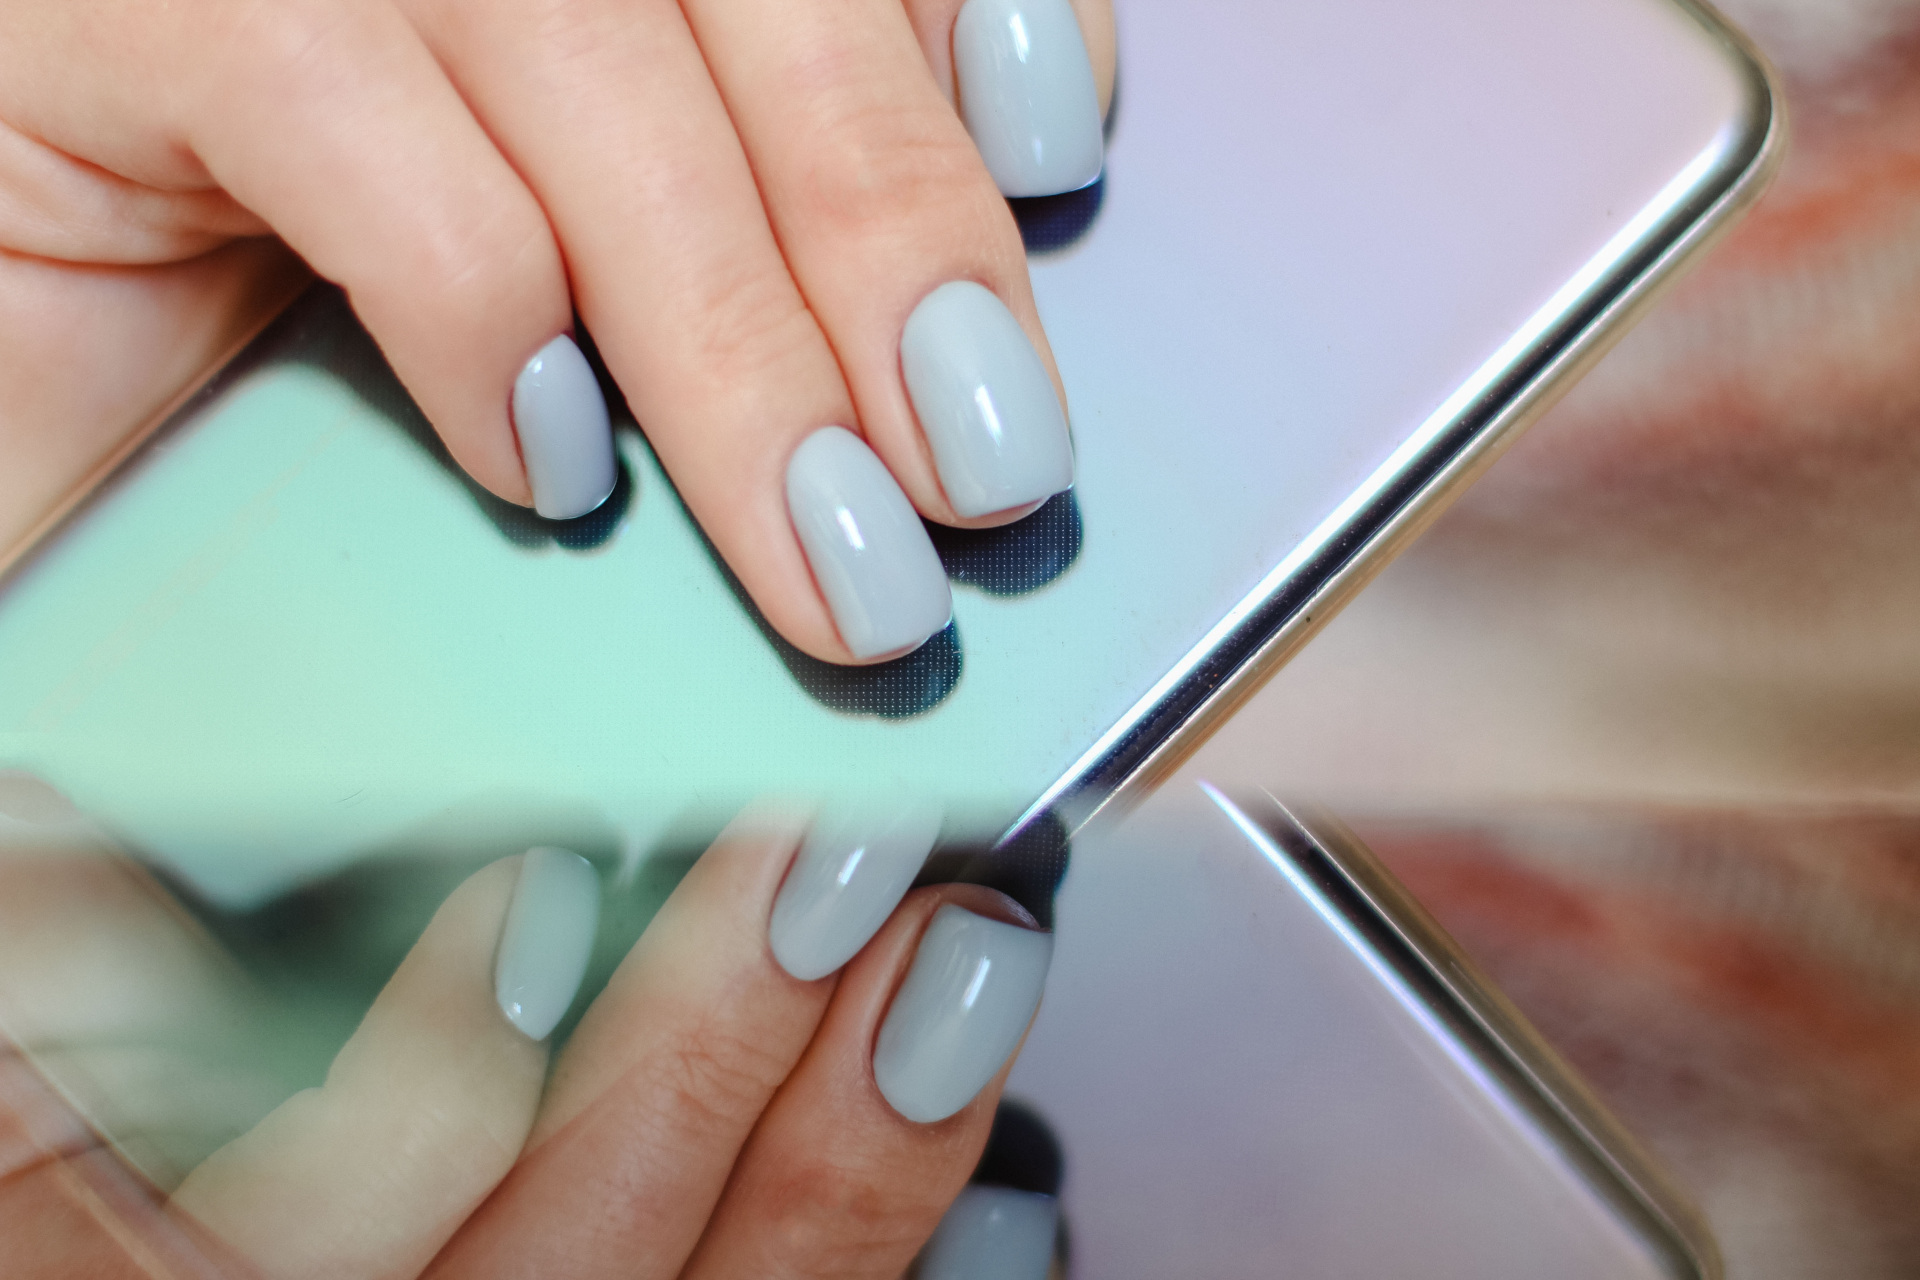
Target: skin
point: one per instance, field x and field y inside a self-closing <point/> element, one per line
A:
<point x="1690" y="581"/>
<point x="742" y="202"/>
<point x="711" y="1116"/>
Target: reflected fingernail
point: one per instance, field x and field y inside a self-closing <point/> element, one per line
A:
<point x="985" y="402"/>
<point x="992" y="1233"/>
<point x="966" y="1001"/>
<point x="1027" y="94"/>
<point x="870" y="554"/>
<point x="566" y="438"/>
<point x="546" y="940"/>
<point x="850" y="873"/>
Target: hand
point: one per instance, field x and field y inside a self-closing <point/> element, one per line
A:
<point x="747" y="203"/>
<point x="711" y="1115"/>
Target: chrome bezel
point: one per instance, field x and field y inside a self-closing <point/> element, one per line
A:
<point x="1332" y="864"/>
<point x="1393" y="507"/>
<point x="1443" y="456"/>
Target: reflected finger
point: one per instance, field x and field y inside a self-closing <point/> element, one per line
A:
<point x="428" y="1105"/>
<point x="880" y="1124"/>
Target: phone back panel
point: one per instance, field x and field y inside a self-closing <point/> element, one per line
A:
<point x="1339" y="253"/>
<point x="1252" y="1072"/>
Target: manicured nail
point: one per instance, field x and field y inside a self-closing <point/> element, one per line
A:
<point x="565" y="437"/>
<point x="851" y="872"/>
<point x="1027" y="94"/>
<point x="958" y="1017"/>
<point x="546" y="939"/>
<point x="870" y="553"/>
<point x="985" y="401"/>
<point x="992" y="1233"/>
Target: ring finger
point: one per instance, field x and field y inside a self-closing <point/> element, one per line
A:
<point x="873" y="1134"/>
<point x="902" y="244"/>
<point x="609" y="110"/>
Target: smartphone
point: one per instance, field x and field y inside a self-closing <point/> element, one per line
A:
<point x="1339" y="256"/>
<point x="1258" y="1056"/>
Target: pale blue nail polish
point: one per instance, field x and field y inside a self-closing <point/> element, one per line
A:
<point x="851" y="872"/>
<point x="967" y="999"/>
<point x="1027" y="94"/>
<point x="566" y="438"/>
<point x="985" y="402"/>
<point x="546" y="939"/>
<point x="992" y="1233"/>
<point x="869" y="552"/>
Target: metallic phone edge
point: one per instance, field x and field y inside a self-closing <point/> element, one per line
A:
<point x="1224" y="674"/>
<point x="1143" y="748"/>
<point x="1497" y="1033"/>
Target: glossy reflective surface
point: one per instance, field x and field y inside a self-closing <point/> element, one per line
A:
<point x="1245" y="1082"/>
<point x="1332" y="243"/>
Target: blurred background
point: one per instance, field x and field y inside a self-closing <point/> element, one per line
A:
<point x="1639" y="720"/>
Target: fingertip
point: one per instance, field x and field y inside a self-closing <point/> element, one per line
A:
<point x="870" y="556"/>
<point x="546" y="939"/>
<point x="1029" y="95"/>
<point x="960" y="1013"/>
<point x="564" y="431"/>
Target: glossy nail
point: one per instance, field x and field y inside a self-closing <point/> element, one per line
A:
<point x="985" y="402"/>
<point x="1027" y="94"/>
<point x="967" y="999"/>
<point x="566" y="439"/>
<point x="870" y="553"/>
<point x="851" y="872"/>
<point x="546" y="939"/>
<point x="992" y="1233"/>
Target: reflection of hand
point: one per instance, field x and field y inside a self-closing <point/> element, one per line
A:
<point x="712" y="1115"/>
<point x="771" y="215"/>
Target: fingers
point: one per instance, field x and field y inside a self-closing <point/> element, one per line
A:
<point x="428" y="1105"/>
<point x="880" y="1124"/>
<point x="365" y="159"/>
<point x="803" y="280"/>
<point x="902" y="246"/>
<point x="613" y="115"/>
<point x="330" y="120"/>
<point x="658" y="1087"/>
<point x="54" y="206"/>
<point x="672" y="1066"/>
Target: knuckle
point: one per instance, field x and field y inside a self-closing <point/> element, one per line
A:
<point x="476" y="240"/>
<point x="571" y="32"/>
<point x="487" y="260"/>
<point x="718" y="1080"/>
<point x="296" y="46"/>
<point x="878" y="168"/>
<point x="749" y="325"/>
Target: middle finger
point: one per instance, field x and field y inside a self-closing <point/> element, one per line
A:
<point x="902" y="245"/>
<point x="609" y="111"/>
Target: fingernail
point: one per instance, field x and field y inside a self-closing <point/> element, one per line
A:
<point x="850" y="873"/>
<point x="958" y="1017"/>
<point x="565" y="436"/>
<point x="1027" y="94"/>
<point x="984" y="400"/>
<point x="870" y="553"/>
<point x="546" y="939"/>
<point x="992" y="1233"/>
